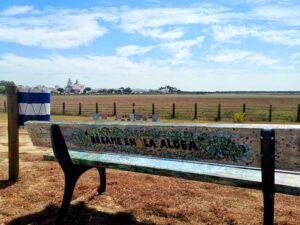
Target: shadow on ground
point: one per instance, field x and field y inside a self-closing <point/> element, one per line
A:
<point x="5" y="183"/>
<point x="78" y="214"/>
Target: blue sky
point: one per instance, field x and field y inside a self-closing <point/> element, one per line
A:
<point x="193" y="45"/>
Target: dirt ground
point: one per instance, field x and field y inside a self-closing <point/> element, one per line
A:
<point x="130" y="198"/>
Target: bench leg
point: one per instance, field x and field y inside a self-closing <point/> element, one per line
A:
<point x="102" y="176"/>
<point x="268" y="208"/>
<point x="268" y="174"/>
<point x="71" y="177"/>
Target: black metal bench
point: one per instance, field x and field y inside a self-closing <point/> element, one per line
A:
<point x="75" y="162"/>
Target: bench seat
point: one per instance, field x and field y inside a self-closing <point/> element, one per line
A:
<point x="286" y="182"/>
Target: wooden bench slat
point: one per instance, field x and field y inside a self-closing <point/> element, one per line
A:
<point x="285" y="181"/>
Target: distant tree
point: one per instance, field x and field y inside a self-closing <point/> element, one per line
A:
<point x="127" y="90"/>
<point x="4" y="82"/>
<point x="87" y="89"/>
<point x="169" y="89"/>
<point x="60" y="90"/>
<point x="2" y="89"/>
<point x="110" y="91"/>
<point x="121" y="90"/>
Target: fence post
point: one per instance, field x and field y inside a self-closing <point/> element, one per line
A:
<point x="114" y="109"/>
<point x="64" y="108"/>
<point x="270" y="113"/>
<point x="196" y="111"/>
<point x="219" y="112"/>
<point x="13" y="132"/>
<point x="97" y="108"/>
<point x="5" y="110"/>
<point x="298" y="113"/>
<point x="153" y="109"/>
<point x="133" y="108"/>
<point x="173" y="111"/>
<point x="79" y="109"/>
<point x="244" y="108"/>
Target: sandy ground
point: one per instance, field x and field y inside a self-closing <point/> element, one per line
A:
<point x="130" y="198"/>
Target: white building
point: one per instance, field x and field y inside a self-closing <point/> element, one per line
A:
<point x="74" y="88"/>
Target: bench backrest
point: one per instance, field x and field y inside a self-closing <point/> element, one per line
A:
<point x="219" y="143"/>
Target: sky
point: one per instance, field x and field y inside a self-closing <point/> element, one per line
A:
<point x="224" y="45"/>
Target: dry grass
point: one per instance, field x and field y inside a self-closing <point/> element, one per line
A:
<point x="131" y="198"/>
<point x="284" y="106"/>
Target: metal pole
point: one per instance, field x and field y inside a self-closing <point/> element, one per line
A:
<point x="13" y="132"/>
<point x="64" y="108"/>
<point x="298" y="114"/>
<point x="219" y="112"/>
<point x="114" y="109"/>
<point x="79" y="109"/>
<point x="270" y="113"/>
<point x="196" y="111"/>
<point x="244" y="108"/>
<point x="153" y="109"/>
<point x="5" y="108"/>
<point x="173" y="111"/>
<point x="97" y="108"/>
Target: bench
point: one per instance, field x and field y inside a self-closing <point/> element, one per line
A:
<point x="264" y="157"/>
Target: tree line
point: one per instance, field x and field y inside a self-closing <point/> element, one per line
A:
<point x="3" y="83"/>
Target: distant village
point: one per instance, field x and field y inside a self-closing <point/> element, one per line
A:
<point x="78" y="88"/>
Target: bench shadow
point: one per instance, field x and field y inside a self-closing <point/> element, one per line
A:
<point x="6" y="183"/>
<point x="78" y="215"/>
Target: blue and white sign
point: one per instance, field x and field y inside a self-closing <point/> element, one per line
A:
<point x="34" y="104"/>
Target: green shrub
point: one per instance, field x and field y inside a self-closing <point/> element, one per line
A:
<point x="239" y="117"/>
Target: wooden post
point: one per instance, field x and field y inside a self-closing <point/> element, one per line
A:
<point x="133" y="108"/>
<point x="298" y="113"/>
<point x="114" y="109"/>
<point x="219" y="112"/>
<point x="270" y="113"/>
<point x="5" y="108"/>
<point x="244" y="108"/>
<point x="64" y="108"/>
<point x="13" y="132"/>
<point x="173" y="111"/>
<point x="97" y="108"/>
<point x="153" y="109"/>
<point x="196" y="111"/>
<point x="79" y="109"/>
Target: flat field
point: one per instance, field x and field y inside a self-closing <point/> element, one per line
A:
<point x="257" y="106"/>
<point x="130" y="199"/>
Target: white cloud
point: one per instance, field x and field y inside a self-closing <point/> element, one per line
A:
<point x="181" y="50"/>
<point x="295" y="55"/>
<point x="167" y="35"/>
<point x="230" y="32"/>
<point x="233" y="33"/>
<point x="282" y="37"/>
<point x="160" y="23"/>
<point x="232" y="56"/>
<point x="130" y="50"/>
<point x="111" y="71"/>
<point x="53" y="29"/>
<point x="279" y="14"/>
<point x="17" y="10"/>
